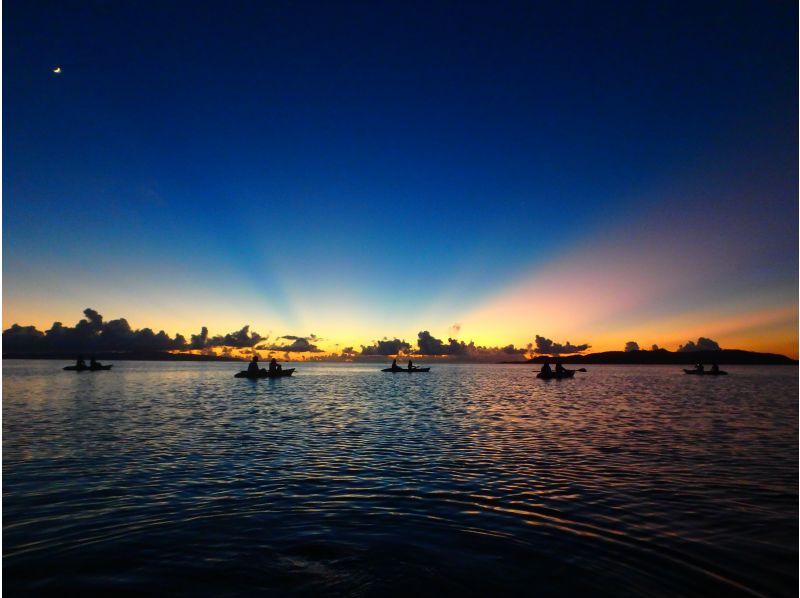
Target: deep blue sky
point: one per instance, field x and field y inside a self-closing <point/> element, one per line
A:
<point x="384" y="153"/>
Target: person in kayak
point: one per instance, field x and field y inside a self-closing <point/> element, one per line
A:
<point x="546" y="368"/>
<point x="394" y="364"/>
<point x="699" y="368"/>
<point x="274" y="366"/>
<point x="410" y="365"/>
<point x="252" y="369"/>
<point x="560" y="369"/>
<point x="93" y="363"/>
<point x="714" y="368"/>
<point x="80" y="363"/>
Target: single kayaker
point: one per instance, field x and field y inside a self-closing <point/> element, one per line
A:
<point x="80" y="363"/>
<point x="410" y="365"/>
<point x="274" y="366"/>
<point x="546" y="369"/>
<point x="715" y="368"/>
<point x="560" y="369"/>
<point x="699" y="368"/>
<point x="394" y="364"/>
<point x="252" y="369"/>
<point x="93" y="363"/>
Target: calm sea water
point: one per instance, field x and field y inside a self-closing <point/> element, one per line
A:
<point x="177" y="478"/>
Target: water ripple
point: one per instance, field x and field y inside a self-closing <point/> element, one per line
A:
<point x="177" y="478"/>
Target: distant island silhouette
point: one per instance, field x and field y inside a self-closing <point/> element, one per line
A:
<point x="665" y="357"/>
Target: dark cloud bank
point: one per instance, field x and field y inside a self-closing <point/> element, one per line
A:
<point x="92" y="334"/>
<point x="386" y="347"/>
<point x="453" y="349"/>
<point x="702" y="344"/>
<point x="545" y="346"/>
<point x="430" y="346"/>
<point x="298" y="344"/>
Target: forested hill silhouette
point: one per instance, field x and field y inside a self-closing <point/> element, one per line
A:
<point x="665" y="357"/>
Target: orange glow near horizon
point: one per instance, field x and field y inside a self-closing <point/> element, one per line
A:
<point x="526" y="310"/>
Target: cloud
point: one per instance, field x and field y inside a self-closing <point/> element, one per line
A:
<point x="299" y="344"/>
<point x="92" y="334"/>
<point x="386" y="347"/>
<point x="429" y="345"/>
<point x="512" y="350"/>
<point x="311" y="338"/>
<point x="23" y="338"/>
<point x="703" y="344"/>
<point x="349" y="351"/>
<point x="200" y="341"/>
<point x="545" y="346"/>
<point x="631" y="346"/>
<point x="93" y="321"/>
<point x="454" y="329"/>
<point x="240" y="339"/>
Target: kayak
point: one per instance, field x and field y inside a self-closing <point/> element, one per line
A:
<point x="264" y="374"/>
<point x="406" y="370"/>
<point x="705" y="373"/>
<point x="87" y="368"/>
<point x="554" y="376"/>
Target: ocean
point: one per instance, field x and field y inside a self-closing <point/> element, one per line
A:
<point x="469" y="480"/>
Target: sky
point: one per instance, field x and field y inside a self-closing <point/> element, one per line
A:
<point x="591" y="172"/>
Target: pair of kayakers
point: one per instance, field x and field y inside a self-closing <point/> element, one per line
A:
<point x="274" y="366"/>
<point x="81" y="364"/>
<point x="701" y="368"/>
<point x="546" y="369"/>
<point x="397" y="367"/>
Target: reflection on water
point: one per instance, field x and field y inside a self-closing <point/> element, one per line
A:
<point x="344" y="480"/>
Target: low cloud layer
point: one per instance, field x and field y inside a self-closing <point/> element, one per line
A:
<point x="429" y="345"/>
<point x="545" y="346"/>
<point x="240" y="339"/>
<point x="299" y="344"/>
<point x="702" y="344"/>
<point x="386" y="347"/>
<point x="93" y="334"/>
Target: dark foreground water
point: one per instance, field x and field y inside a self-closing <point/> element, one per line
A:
<point x="167" y="478"/>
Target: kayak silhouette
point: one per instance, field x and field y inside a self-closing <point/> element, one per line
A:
<point x="263" y="373"/>
<point x="556" y="375"/>
<point x="706" y="372"/>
